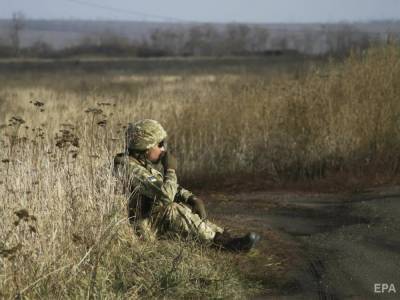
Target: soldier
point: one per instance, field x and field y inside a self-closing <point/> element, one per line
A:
<point x="155" y="199"/>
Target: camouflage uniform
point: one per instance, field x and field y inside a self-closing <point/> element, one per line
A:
<point x="154" y="196"/>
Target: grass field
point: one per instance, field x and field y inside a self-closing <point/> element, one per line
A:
<point x="64" y="231"/>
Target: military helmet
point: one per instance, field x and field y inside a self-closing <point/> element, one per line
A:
<point x="144" y="135"/>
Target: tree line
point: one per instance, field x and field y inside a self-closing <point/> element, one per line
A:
<point x="199" y="40"/>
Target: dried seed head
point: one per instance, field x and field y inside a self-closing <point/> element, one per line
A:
<point x="66" y="139"/>
<point x="37" y="103"/>
<point x="102" y="123"/>
<point x="104" y="104"/>
<point x="23" y="139"/>
<point x="77" y="238"/>
<point x="74" y="153"/>
<point x="95" y="111"/>
<point x="9" y="252"/>
<point x="32" y="229"/>
<point x="22" y="213"/>
<point x="68" y="125"/>
<point x="16" y="121"/>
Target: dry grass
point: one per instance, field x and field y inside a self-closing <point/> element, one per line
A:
<point x="70" y="237"/>
<point x="65" y="233"/>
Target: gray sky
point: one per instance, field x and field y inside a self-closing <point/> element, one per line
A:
<point x="259" y="11"/>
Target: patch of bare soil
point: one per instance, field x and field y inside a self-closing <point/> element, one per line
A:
<point x="316" y="245"/>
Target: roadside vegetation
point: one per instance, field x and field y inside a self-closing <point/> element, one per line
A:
<point x="64" y="231"/>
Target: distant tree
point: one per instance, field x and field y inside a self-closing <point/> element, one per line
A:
<point x="362" y="40"/>
<point x="258" y="39"/>
<point x="17" y="25"/>
<point x="344" y="39"/>
<point x="169" y="41"/>
<point x="112" y="43"/>
<point x="340" y="39"/>
<point x="202" y="40"/>
<point x="40" y="49"/>
<point x="392" y="37"/>
<point x="237" y="37"/>
<point x="281" y="43"/>
<point x="5" y="48"/>
<point x="195" y="41"/>
<point x="309" y="42"/>
<point x="212" y="44"/>
<point x="110" y="38"/>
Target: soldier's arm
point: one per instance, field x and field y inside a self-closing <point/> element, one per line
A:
<point x="150" y="186"/>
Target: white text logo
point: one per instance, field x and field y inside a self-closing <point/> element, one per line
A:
<point x="382" y="288"/>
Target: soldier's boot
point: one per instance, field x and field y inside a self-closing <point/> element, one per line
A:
<point x="244" y="243"/>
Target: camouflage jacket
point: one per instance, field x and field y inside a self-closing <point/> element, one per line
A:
<point x="147" y="180"/>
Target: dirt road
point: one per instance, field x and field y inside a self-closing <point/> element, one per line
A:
<point x="318" y="246"/>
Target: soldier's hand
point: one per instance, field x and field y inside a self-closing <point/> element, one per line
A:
<point x="169" y="161"/>
<point x="198" y="207"/>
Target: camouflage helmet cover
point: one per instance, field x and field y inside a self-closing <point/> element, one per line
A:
<point x="144" y="135"/>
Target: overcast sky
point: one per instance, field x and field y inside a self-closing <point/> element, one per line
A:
<point x="257" y="11"/>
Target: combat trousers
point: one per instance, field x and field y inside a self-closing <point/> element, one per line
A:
<point x="177" y="218"/>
